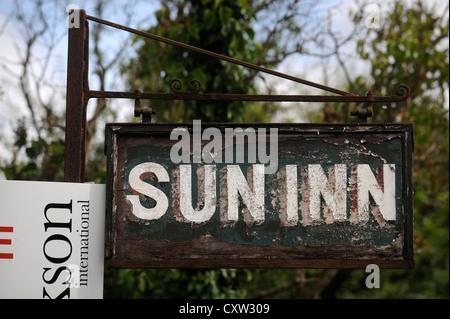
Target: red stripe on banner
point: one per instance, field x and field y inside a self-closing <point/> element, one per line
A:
<point x="5" y="241"/>
<point x="5" y="229"/>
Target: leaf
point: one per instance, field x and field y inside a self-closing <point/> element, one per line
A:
<point x="209" y="19"/>
<point x="244" y="4"/>
<point x="193" y="31"/>
<point x="34" y="150"/>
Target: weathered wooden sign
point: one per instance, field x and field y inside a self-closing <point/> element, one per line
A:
<point x="259" y="195"/>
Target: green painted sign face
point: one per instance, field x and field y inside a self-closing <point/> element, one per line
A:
<point x="229" y="195"/>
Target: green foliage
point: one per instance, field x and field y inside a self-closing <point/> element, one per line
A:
<point x="35" y="158"/>
<point x="223" y="27"/>
<point x="176" y="283"/>
<point x="408" y="50"/>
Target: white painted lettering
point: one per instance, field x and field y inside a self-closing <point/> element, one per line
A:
<point x="332" y="190"/>
<point x="323" y="194"/>
<point x="251" y="193"/>
<point x="289" y="202"/>
<point x="138" y="186"/>
<point x="207" y="193"/>
<point x="382" y="190"/>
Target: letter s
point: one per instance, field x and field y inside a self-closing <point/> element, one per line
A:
<point x="141" y="187"/>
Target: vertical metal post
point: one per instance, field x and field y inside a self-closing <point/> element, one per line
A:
<point x="76" y="100"/>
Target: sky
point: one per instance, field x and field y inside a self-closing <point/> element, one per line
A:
<point x="8" y="38"/>
<point x="10" y="44"/>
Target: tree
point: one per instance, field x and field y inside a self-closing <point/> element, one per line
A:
<point x="411" y="47"/>
<point x="38" y="139"/>
<point x="225" y="27"/>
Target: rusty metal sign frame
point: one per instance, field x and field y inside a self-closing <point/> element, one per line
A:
<point x="79" y="93"/>
<point x="174" y="243"/>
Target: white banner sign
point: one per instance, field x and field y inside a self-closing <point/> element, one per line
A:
<point x="51" y="240"/>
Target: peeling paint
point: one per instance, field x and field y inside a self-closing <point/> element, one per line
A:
<point x="363" y="183"/>
<point x="182" y="194"/>
<point x="288" y="195"/>
<point x="250" y="191"/>
<point x="333" y="190"/>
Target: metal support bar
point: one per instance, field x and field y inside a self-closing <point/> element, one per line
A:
<point x="250" y="97"/>
<point x="76" y="101"/>
<point x="402" y="91"/>
<point x="217" y="56"/>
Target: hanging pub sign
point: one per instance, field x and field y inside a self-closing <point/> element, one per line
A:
<point x="250" y="195"/>
<point x="263" y="195"/>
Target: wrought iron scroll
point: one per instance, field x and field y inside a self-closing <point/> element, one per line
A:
<point x="194" y="86"/>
